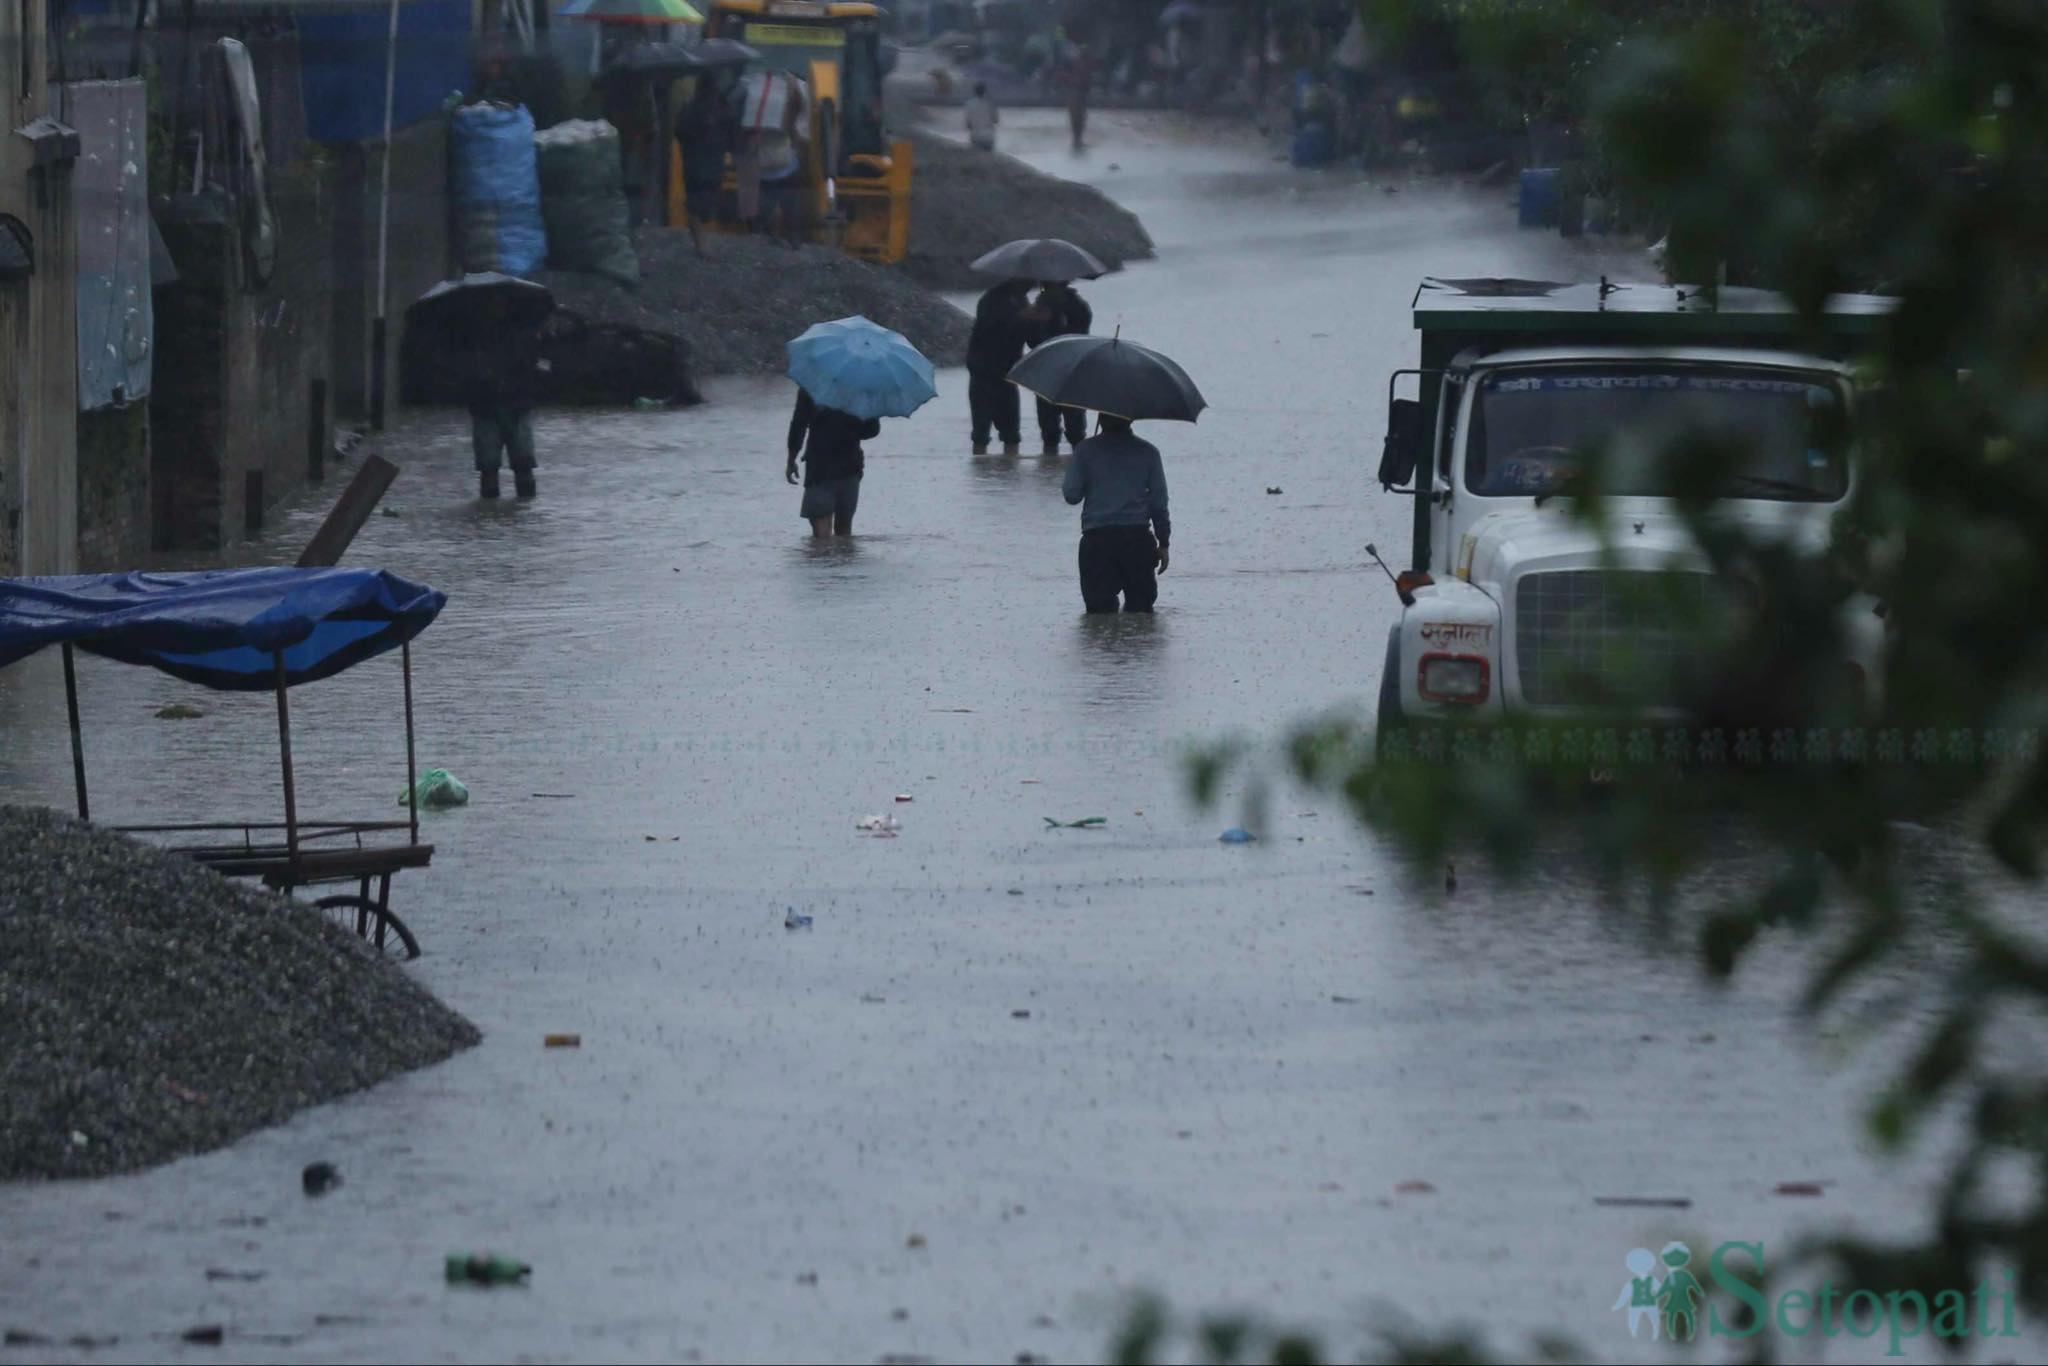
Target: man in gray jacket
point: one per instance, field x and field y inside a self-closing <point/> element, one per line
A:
<point x="1121" y="485"/>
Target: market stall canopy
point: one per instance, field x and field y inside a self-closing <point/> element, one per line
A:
<point x="220" y="628"/>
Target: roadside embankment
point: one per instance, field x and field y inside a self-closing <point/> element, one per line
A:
<point x="965" y="203"/>
<point x="154" y="1009"/>
<point x="737" y="305"/>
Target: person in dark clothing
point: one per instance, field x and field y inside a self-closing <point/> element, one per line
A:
<point x="708" y="130"/>
<point x="1067" y="315"/>
<point x="1120" y="483"/>
<point x="833" y="463"/>
<point x="1004" y="324"/>
<point x="498" y="361"/>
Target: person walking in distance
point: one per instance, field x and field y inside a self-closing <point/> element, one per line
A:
<point x="1080" y="74"/>
<point x="1066" y="315"/>
<point x="1120" y="483"/>
<point x="982" y="117"/>
<point x="1005" y="323"/>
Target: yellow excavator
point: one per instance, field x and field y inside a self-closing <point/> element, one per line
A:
<point x="859" y="181"/>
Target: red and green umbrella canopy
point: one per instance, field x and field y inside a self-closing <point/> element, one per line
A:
<point x="632" y="11"/>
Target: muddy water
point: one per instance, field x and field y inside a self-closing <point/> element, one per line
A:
<point x="1232" y="1056"/>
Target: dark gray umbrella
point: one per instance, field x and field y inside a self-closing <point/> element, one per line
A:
<point x="677" y="59"/>
<point x="723" y="52"/>
<point x="1110" y="375"/>
<point x="651" y="59"/>
<point x="483" y="296"/>
<point x="1040" y="258"/>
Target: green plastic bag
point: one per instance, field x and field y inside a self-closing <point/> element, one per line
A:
<point x="436" y="788"/>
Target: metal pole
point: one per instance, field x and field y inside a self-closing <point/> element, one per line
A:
<point x="77" y="738"/>
<point x="378" y="326"/>
<point x="284" y="746"/>
<point x="412" y="791"/>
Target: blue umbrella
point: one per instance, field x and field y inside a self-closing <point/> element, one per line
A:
<point x="861" y="368"/>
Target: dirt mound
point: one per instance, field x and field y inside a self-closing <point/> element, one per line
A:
<point x="155" y="1009"/>
<point x="738" y="305"/>
<point x="965" y="203"/>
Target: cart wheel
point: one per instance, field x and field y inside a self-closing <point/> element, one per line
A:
<point x="380" y="927"/>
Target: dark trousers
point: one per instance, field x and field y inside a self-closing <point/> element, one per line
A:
<point x="1050" y="417"/>
<point x="499" y="433"/>
<point x="992" y="402"/>
<point x="1119" y="559"/>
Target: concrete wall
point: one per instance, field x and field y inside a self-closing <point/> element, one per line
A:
<point x="113" y="488"/>
<point x="38" y="327"/>
<point x="421" y="252"/>
<point x="236" y="365"/>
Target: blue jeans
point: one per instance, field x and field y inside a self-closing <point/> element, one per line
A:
<point x="502" y="432"/>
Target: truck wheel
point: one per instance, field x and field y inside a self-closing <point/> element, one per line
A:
<point x="1389" y="716"/>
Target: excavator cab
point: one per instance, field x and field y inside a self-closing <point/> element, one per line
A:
<point x="859" y="180"/>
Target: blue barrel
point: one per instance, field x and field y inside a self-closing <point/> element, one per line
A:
<point x="1539" y="198"/>
<point x="1314" y="145"/>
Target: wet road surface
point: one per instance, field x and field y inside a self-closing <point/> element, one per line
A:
<point x="1232" y="1056"/>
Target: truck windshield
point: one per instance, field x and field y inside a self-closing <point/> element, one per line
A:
<point x="1532" y="430"/>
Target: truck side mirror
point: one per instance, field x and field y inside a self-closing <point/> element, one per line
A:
<point x="1404" y="442"/>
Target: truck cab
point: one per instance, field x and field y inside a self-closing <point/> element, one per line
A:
<point x="1528" y="393"/>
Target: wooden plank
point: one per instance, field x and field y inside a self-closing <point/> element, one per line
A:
<point x="351" y="511"/>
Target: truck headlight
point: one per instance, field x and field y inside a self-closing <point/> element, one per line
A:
<point x="1465" y="679"/>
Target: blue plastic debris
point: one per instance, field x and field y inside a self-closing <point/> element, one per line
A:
<point x="1237" y="834"/>
<point x="792" y="921"/>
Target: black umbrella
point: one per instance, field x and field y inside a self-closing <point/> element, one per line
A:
<point x="676" y="59"/>
<point x="485" y="296"/>
<point x="1110" y="375"/>
<point x="1040" y="258"/>
<point x="651" y="59"/>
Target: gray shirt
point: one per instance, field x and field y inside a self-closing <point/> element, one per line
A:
<point x="1119" y="481"/>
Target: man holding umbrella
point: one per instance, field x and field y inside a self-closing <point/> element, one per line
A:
<point x="1117" y="478"/>
<point x="1066" y="315"/>
<point x="1006" y="322"/>
<point x="850" y="373"/>
<point x="488" y="326"/>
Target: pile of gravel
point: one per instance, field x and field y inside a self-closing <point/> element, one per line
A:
<point x="153" y="1009"/>
<point x="738" y="304"/>
<point x="965" y="203"/>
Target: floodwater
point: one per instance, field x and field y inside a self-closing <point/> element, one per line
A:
<point x="847" y="1142"/>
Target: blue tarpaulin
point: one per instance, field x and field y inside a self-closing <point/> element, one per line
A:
<point x="220" y="628"/>
<point x="341" y="53"/>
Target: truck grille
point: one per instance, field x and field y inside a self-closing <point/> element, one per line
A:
<point x="1603" y="638"/>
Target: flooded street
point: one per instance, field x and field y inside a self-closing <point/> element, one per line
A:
<point x="1232" y="1056"/>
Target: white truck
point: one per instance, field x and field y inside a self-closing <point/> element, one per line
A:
<point x="1511" y="604"/>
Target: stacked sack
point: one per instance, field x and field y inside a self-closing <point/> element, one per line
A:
<point x="498" y="220"/>
<point x="583" y="198"/>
